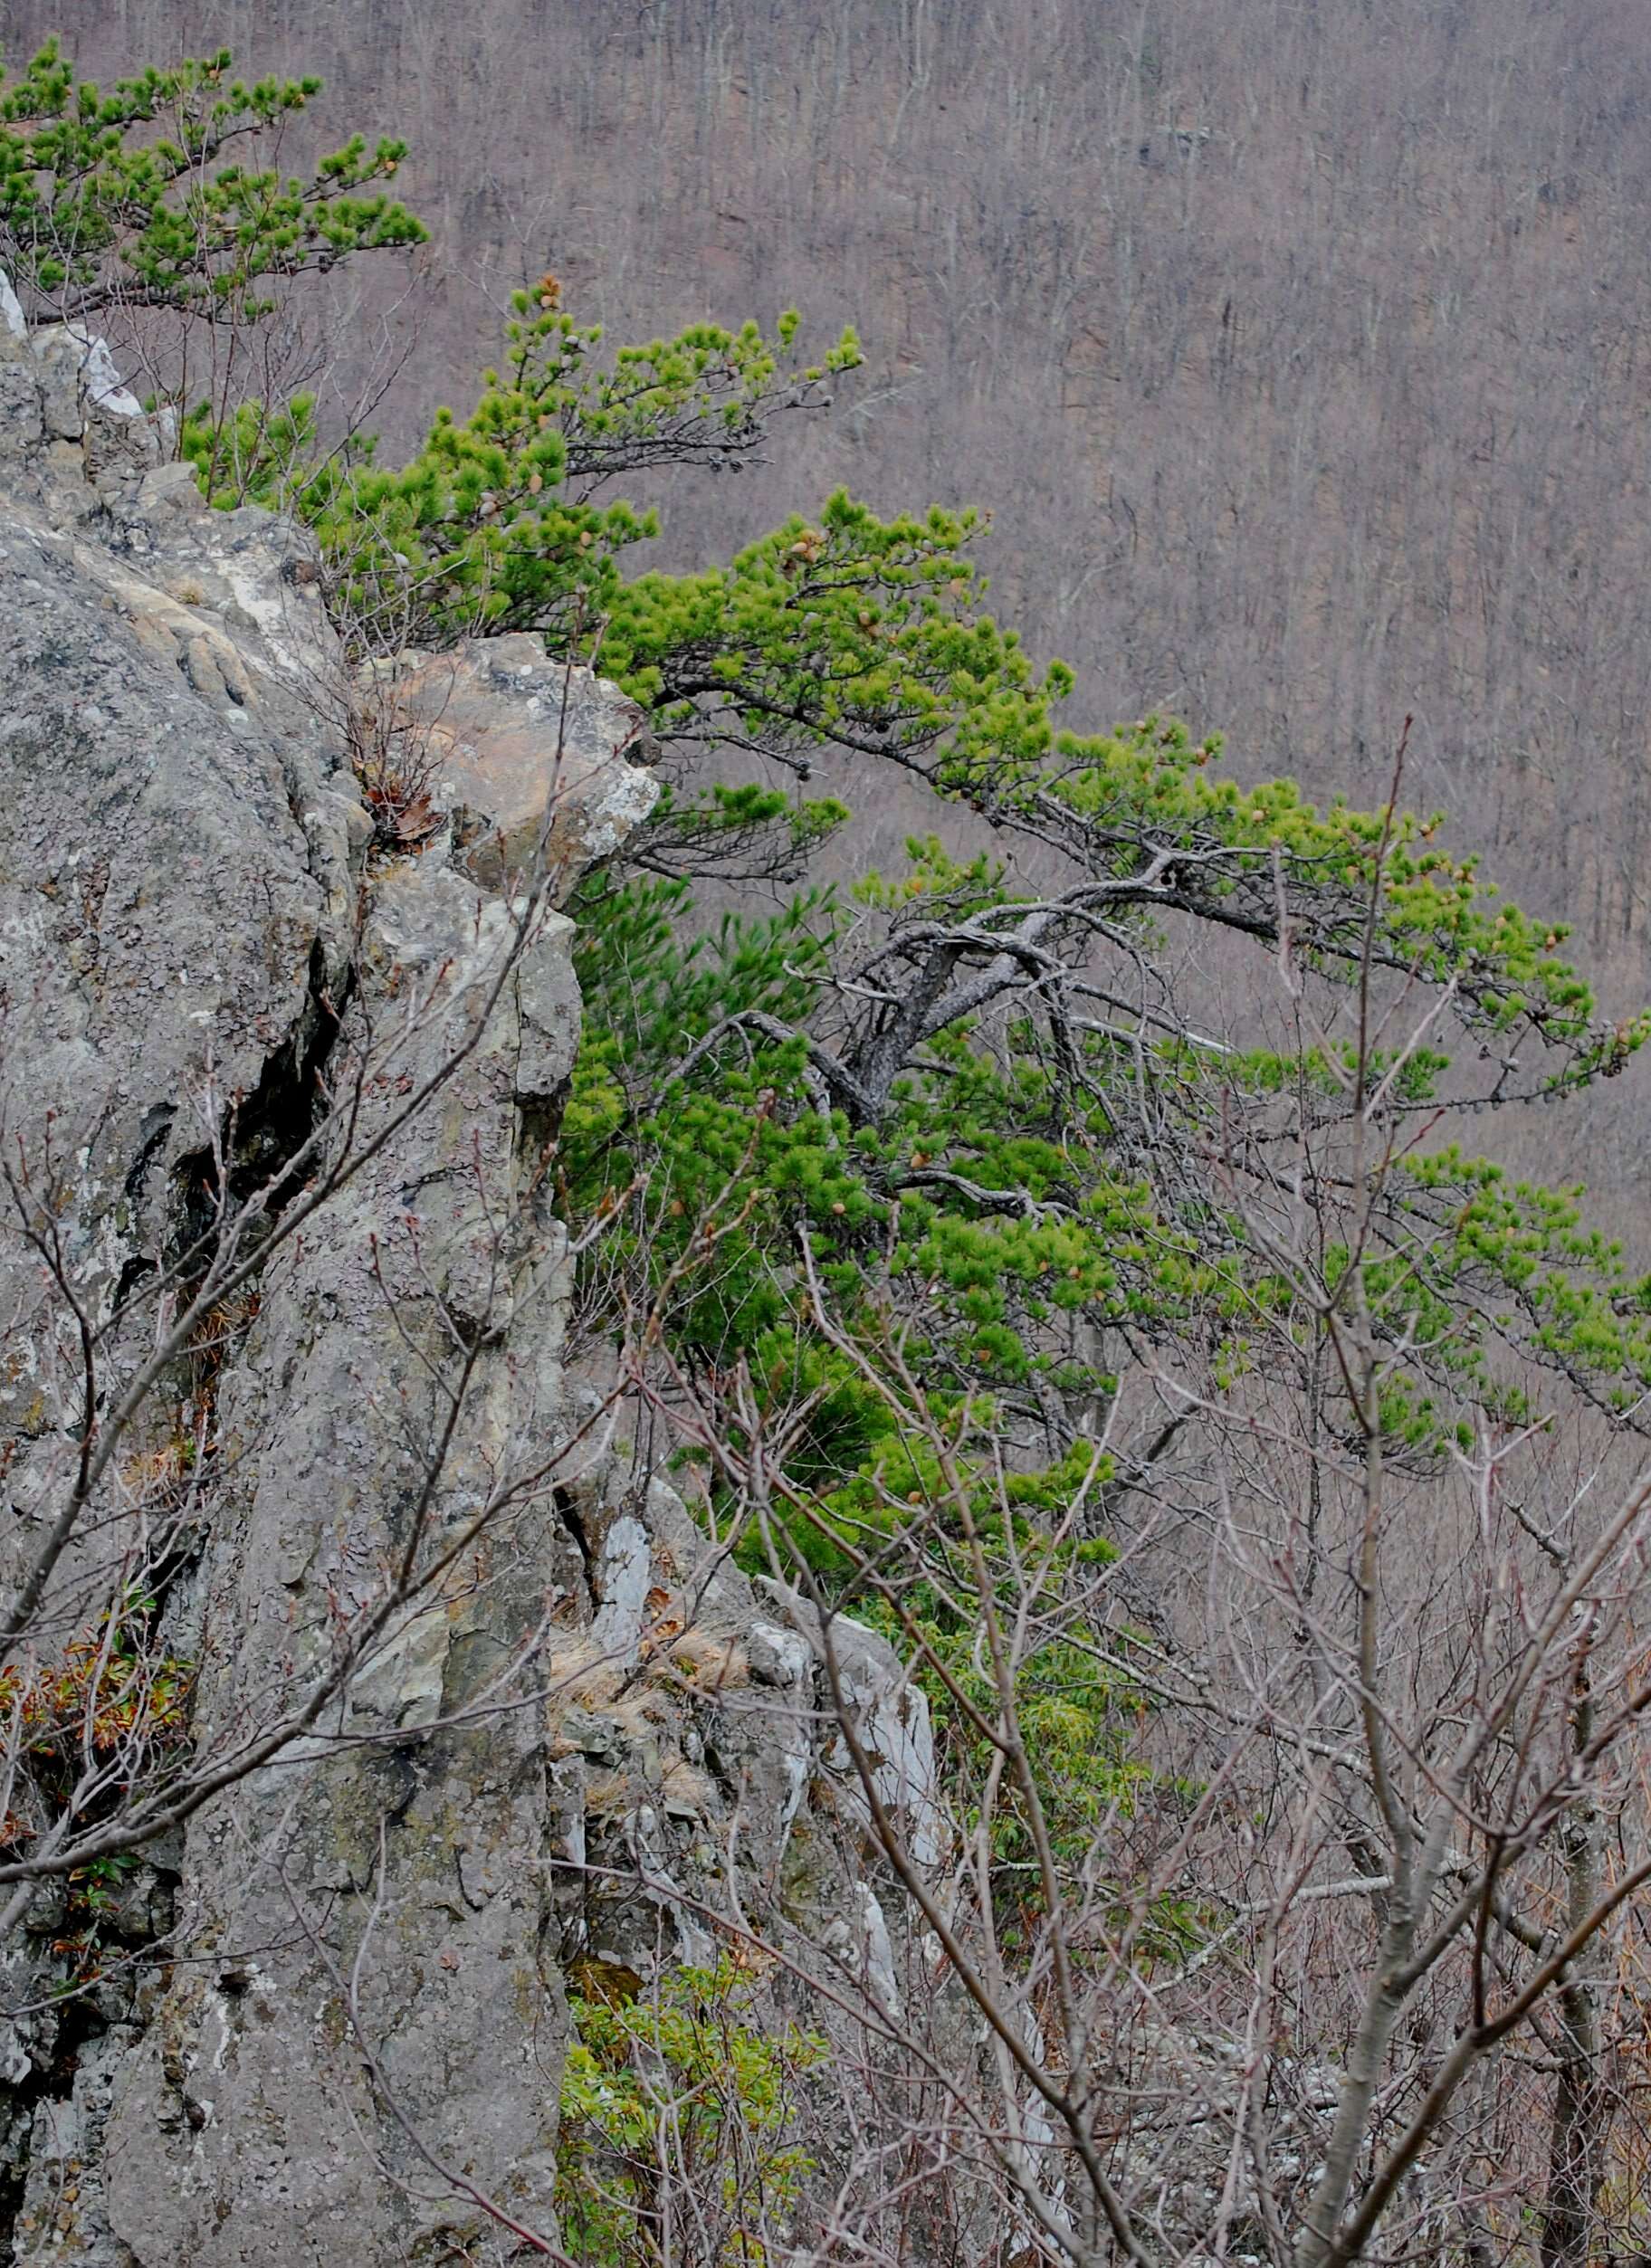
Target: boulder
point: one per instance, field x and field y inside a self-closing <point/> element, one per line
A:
<point x="531" y="762"/>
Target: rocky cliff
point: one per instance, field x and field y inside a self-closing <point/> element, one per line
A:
<point x="461" y="1696"/>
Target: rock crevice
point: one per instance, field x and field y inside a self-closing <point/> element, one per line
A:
<point x="332" y="2009"/>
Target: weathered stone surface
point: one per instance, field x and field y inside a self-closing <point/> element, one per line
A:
<point x="590" y="1738"/>
<point x="531" y="761"/>
<point x="173" y="906"/>
<point x="415" y="1861"/>
<point x="187" y="920"/>
<point x="175" y="892"/>
<point x="890" y="1720"/>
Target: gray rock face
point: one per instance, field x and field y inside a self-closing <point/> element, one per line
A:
<point x="484" y="720"/>
<point x="332" y="2013"/>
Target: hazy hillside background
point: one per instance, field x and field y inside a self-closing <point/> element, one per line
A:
<point x="1302" y="351"/>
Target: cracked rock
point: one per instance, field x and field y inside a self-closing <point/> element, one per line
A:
<point x="591" y="1732"/>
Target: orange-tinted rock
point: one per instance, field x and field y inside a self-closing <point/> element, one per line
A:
<point x="529" y="759"/>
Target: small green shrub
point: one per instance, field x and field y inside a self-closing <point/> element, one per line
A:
<point x="680" y="2123"/>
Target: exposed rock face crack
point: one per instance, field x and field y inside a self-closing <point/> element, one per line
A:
<point x="589" y="1734"/>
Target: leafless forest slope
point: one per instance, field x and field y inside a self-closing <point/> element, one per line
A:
<point x="1302" y="350"/>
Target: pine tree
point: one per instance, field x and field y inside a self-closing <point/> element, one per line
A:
<point x="166" y="192"/>
<point x="987" y="1125"/>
